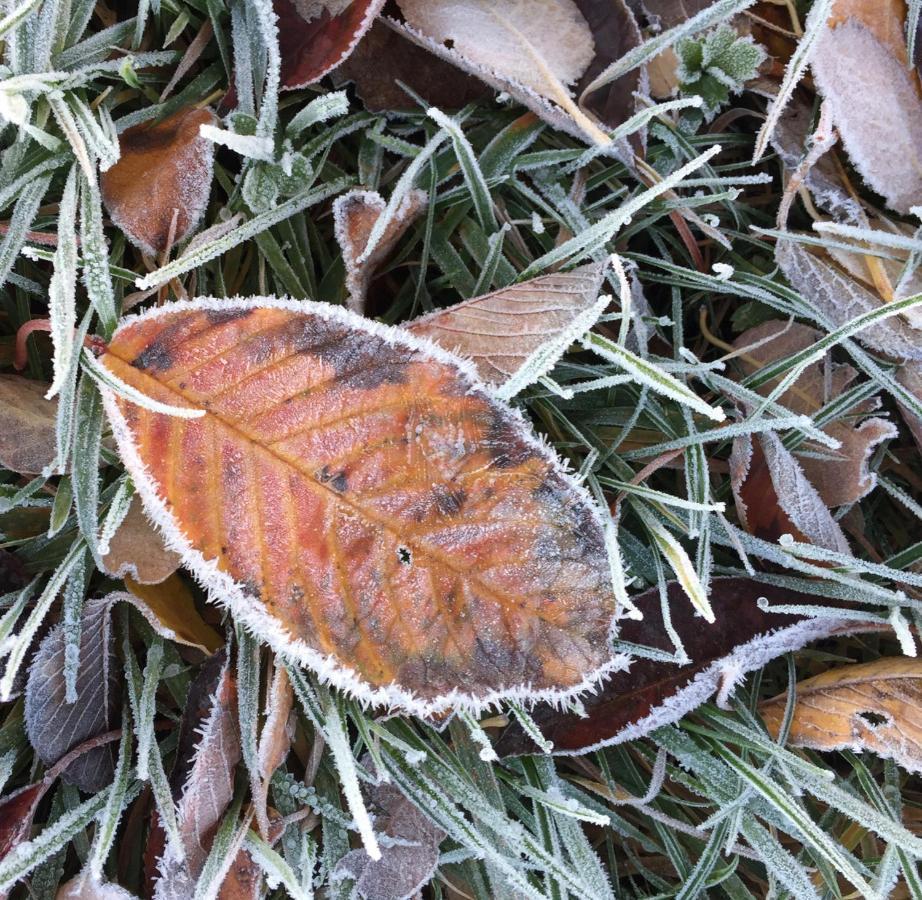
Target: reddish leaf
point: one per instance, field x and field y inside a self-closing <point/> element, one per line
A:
<point x="311" y="49"/>
<point x="165" y="170"/>
<point x="652" y="694"/>
<point x="16" y="813"/>
<point x="363" y="504"/>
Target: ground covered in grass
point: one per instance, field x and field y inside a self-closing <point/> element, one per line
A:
<point x="743" y="408"/>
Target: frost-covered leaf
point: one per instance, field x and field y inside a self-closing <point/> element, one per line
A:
<point x="17" y="811"/>
<point x="170" y="609"/>
<point x="55" y="726"/>
<point x="909" y="376"/>
<point x="542" y="52"/>
<point x="84" y="887"/>
<point x="874" y="97"/>
<point x="207" y="791"/>
<point x="774" y="497"/>
<point x="840" y="298"/>
<point x="408" y="858"/>
<point x="164" y="171"/>
<point x="865" y="707"/>
<point x="363" y="504"/>
<point x="499" y="331"/>
<point x="354" y="217"/>
<point x="652" y="693"/>
<point x="841" y="475"/>
<point x="27" y="439"/>
<point x="137" y="549"/>
<point x="315" y="37"/>
<point x="274" y="741"/>
<point x="385" y="57"/>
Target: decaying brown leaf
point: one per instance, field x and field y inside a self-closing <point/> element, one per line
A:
<point x="207" y="792"/>
<point x="137" y="550"/>
<point x="840" y="476"/>
<point x="354" y="216"/>
<point x="164" y="173"/>
<point x="84" y="887"/>
<point x="866" y="707"/>
<point x="840" y="299"/>
<point x="17" y="810"/>
<point x="27" y="439"/>
<point x="859" y="65"/>
<point x="407" y="861"/>
<point x="910" y="376"/>
<point x="274" y="742"/>
<point x="652" y="693"/>
<point x="499" y="331"/>
<point x="170" y="609"/>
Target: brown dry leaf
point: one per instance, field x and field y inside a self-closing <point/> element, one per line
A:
<point x="840" y="298"/>
<point x="499" y="331"/>
<point x="17" y="810"/>
<point x="354" y="216"/>
<point x="774" y="497"/>
<point x="840" y="476"/>
<point x="544" y="53"/>
<point x="84" y="887"/>
<point x="137" y="550"/>
<point x="866" y="707"/>
<point x="910" y="376"/>
<point x="165" y="169"/>
<point x="27" y="439"/>
<point x="407" y="861"/>
<point x="170" y="609"/>
<point x="859" y="66"/>
<point x="274" y="742"/>
<point x="207" y="792"/>
<point x="385" y="56"/>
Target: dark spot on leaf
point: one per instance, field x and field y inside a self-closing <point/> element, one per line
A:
<point x="223" y="316"/>
<point x="449" y="502"/>
<point x="336" y="480"/>
<point x="156" y="357"/>
<point x="504" y="443"/>
<point x="873" y="719"/>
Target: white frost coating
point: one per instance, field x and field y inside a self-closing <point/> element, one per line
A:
<point x="746" y="658"/>
<point x="903" y="632"/>
<point x="252" y="613"/>
<point x="248" y="145"/>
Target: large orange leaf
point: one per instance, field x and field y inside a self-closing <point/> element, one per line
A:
<point x="363" y="503"/>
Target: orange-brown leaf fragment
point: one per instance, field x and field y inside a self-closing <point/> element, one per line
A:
<point x="136" y="549"/>
<point x="363" y="504"/>
<point x="27" y="441"/>
<point x="870" y="706"/>
<point x="165" y="169"/>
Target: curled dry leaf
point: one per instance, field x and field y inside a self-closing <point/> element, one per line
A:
<point x="17" y="810"/>
<point x="363" y="504"/>
<point x="85" y="887"/>
<point x="354" y="216"/>
<point x="840" y="299"/>
<point x="652" y="693"/>
<point x="840" y="476"/>
<point x="774" y="497"/>
<point x="137" y="549"/>
<point x="385" y="59"/>
<point x="274" y="742"/>
<point x="315" y="36"/>
<point x="859" y="65"/>
<point x="866" y="707"/>
<point x="542" y="52"/>
<point x="408" y="860"/>
<point x="55" y="726"/>
<point x="164" y="171"/>
<point x="499" y="331"/>
<point x="910" y="376"/>
<point x="27" y="440"/>
<point x="207" y="792"/>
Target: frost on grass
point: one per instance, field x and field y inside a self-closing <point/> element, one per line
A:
<point x="55" y="726"/>
<point x="539" y="540"/>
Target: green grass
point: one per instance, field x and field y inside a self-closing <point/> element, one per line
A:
<point x="732" y="813"/>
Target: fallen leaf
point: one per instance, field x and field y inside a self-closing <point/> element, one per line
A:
<point x="651" y="694"/>
<point x="27" y="440"/>
<point x="354" y="216"/>
<point x="544" y="53"/>
<point x="840" y="299"/>
<point x="84" y="887"/>
<point x="910" y="376"/>
<point x="840" y="476"/>
<point x="137" y="550"/>
<point x="859" y="66"/>
<point x="244" y="879"/>
<point x="17" y="811"/>
<point x="865" y="707"/>
<point x="207" y="791"/>
<point x="170" y="609"/>
<point x="316" y="37"/>
<point x="274" y="742"/>
<point x="407" y="861"/>
<point x="499" y="331"/>
<point x="165" y="169"/>
<point x="385" y="59"/>
<point x="767" y="504"/>
<point x="55" y="726"/>
<point x="398" y="530"/>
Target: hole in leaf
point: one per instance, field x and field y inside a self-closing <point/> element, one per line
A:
<point x="405" y="556"/>
<point x="449" y="43"/>
<point x="873" y="719"/>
